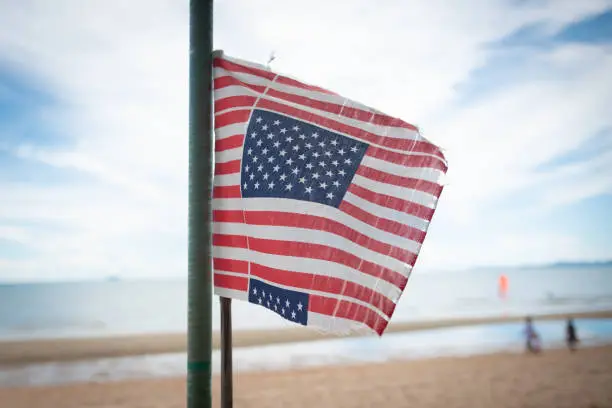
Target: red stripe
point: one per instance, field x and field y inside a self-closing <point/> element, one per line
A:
<point x="407" y="182"/>
<point x="227" y="192"/>
<point x="229" y="143"/>
<point x="229" y="167"/>
<point x="225" y="81"/>
<point x="232" y="66"/>
<point x="393" y="227"/>
<point x="387" y="141"/>
<point x="406" y="159"/>
<point x="369" y="117"/>
<point x="234" y="102"/>
<point x="347" y="310"/>
<point x="328" y="284"/>
<point x="230" y="265"/>
<point x="229" y="118"/>
<point x="231" y="282"/>
<point x="387" y="201"/>
<point x="313" y="222"/>
<point x="312" y="251"/>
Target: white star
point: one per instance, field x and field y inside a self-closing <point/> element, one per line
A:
<point x="330" y="195"/>
<point x="270" y="135"/>
<point x="258" y="119"/>
<point x="270" y="296"/>
<point x="354" y="149"/>
<point x="259" y="142"/>
<point x="289" y="139"/>
<point x="293" y="314"/>
<point x="263" y="292"/>
<point x="265" y="176"/>
<point x="302" y="156"/>
<point x="283" y="310"/>
<point x="299" y="305"/>
<point x="342" y="172"/>
<point x="271" y="185"/>
<point x="322" y="164"/>
<point x="308" y="145"/>
<point x="289" y="161"/>
<point x="256" y="185"/>
<point x="315" y="135"/>
<point x="259" y="300"/>
<point x="315" y="155"/>
<point x="250" y="152"/>
<point x="268" y="303"/>
<point x="260" y="167"/>
<point x="253" y="135"/>
<point x="327" y="153"/>
<point x="264" y="151"/>
<point x="302" y="180"/>
<point x="287" y="303"/>
<point x="255" y="159"/>
<point x="323" y="185"/>
<point x="277" y="299"/>
<point x="246" y="168"/>
<point x="295" y="171"/>
<point x="276" y="144"/>
<point x="283" y="177"/>
<point x="277" y="122"/>
<point x="335" y="163"/>
<point x="264" y="127"/>
<point x="334" y="142"/>
<point x="341" y="152"/>
<point x="309" y="166"/>
<point x="254" y="291"/>
<point x="302" y="136"/>
<point x="289" y="187"/>
<point x="276" y="168"/>
<point x="296" y="128"/>
<point x="275" y="308"/>
<point x="244" y="186"/>
<point x="270" y="159"/>
<point x="335" y="183"/>
<point x="315" y="175"/>
<point x="251" y="176"/>
<point x="322" y="144"/>
<point x="282" y="152"/>
<point x="348" y="161"/>
<point x="329" y="173"/>
<point x="283" y="130"/>
<point x="308" y="190"/>
<point x="296" y="147"/>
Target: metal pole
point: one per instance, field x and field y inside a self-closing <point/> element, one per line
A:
<point x="199" y="348"/>
<point x="227" y="398"/>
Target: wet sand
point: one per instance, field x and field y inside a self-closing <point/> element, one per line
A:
<point x="556" y="378"/>
<point x="31" y="351"/>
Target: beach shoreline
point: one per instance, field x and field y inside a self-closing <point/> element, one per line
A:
<point x="556" y="378"/>
<point x="19" y="352"/>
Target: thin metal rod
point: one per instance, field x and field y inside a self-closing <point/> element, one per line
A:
<point x="227" y="397"/>
<point x="199" y="348"/>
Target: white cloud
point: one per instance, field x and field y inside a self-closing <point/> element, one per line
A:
<point x="120" y="72"/>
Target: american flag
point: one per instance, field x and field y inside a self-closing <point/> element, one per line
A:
<point x="320" y="204"/>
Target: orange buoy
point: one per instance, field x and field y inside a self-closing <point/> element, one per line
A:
<point x="503" y="285"/>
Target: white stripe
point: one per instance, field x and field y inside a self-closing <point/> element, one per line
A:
<point x="311" y="266"/>
<point x="233" y="90"/>
<point x="325" y="294"/>
<point x="336" y="324"/>
<point x="313" y="237"/>
<point x="385" y="212"/>
<point x="315" y="209"/>
<point x="228" y="155"/>
<point x="403" y="193"/>
<point x="227" y="180"/>
<point x="231" y="130"/>
<point x="423" y="173"/>
<point x="388" y="131"/>
<point x="231" y="293"/>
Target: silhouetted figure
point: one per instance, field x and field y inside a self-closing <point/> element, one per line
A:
<point x="532" y="339"/>
<point x="571" y="336"/>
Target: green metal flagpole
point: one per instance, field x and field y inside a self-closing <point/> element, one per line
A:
<point x="199" y="348"/>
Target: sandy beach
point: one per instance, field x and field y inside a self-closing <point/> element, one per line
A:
<point x="46" y="350"/>
<point x="557" y="378"/>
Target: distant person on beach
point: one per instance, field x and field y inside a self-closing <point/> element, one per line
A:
<point x="532" y="338"/>
<point x="571" y="337"/>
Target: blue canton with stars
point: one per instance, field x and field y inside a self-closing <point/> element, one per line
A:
<point x="290" y="304"/>
<point x="287" y="158"/>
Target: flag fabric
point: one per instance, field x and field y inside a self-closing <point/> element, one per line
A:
<point x="320" y="204"/>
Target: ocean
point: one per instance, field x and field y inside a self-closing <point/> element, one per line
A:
<point x="92" y="309"/>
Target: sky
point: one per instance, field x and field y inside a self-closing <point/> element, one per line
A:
<point x="94" y="121"/>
